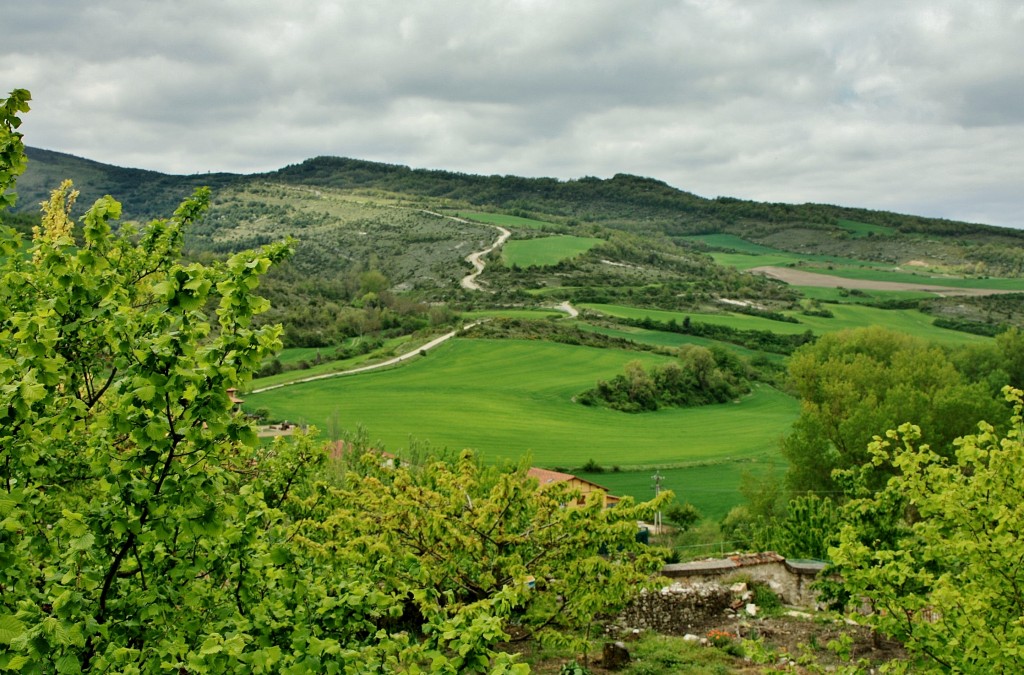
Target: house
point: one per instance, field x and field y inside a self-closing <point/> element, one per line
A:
<point x="547" y="477"/>
<point x="236" y="403"/>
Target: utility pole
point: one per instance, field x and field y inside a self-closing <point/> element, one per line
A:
<point x="657" y="491"/>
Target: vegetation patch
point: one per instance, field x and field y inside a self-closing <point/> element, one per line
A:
<point x="698" y="377"/>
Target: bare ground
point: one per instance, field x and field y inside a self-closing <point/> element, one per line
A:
<point x="802" y="278"/>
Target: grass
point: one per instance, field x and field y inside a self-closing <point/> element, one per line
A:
<point x="390" y="348"/>
<point x="506" y="220"/>
<point x="863" y="229"/>
<point x="713" y="487"/>
<point x="846" y="316"/>
<point x="507" y="398"/>
<point x="546" y="251"/>
<point x="864" y="295"/>
<point x="732" y="242"/>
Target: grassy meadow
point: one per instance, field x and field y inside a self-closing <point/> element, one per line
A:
<point x="507" y="398"/>
<point x="545" y="251"/>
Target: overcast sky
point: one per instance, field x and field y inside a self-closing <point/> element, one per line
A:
<point x="916" y="107"/>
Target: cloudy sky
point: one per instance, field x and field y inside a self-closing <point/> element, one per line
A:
<point x="902" y="105"/>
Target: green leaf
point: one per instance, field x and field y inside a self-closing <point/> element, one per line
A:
<point x="10" y="628"/>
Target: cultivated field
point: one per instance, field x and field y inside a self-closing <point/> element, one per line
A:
<point x="546" y="250"/>
<point x="506" y="398"/>
<point x="506" y="220"/>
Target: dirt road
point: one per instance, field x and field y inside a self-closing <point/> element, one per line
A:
<point x="374" y="366"/>
<point x="476" y="260"/>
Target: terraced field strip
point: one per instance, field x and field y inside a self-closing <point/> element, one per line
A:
<point x="507" y="398"/>
<point x="505" y="220"/>
<point x="860" y="229"/>
<point x="845" y="316"/>
<point x="906" y="279"/>
<point x="546" y="250"/>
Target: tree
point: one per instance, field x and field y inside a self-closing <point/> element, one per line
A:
<point x="142" y="527"/>
<point x="855" y="384"/>
<point x="947" y="580"/>
<point x="460" y="532"/>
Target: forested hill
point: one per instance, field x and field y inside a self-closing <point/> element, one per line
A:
<point x="622" y="200"/>
<point x="627" y="202"/>
<point x="143" y="194"/>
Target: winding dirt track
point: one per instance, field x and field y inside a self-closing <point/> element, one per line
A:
<point x="476" y="259"/>
<point x="802" y="278"/>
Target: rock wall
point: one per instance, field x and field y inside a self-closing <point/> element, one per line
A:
<point x="678" y="609"/>
<point x="790" y="579"/>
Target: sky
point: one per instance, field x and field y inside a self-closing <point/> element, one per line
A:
<point x="902" y="105"/>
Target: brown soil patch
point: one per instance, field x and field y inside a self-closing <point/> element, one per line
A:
<point x="802" y="278"/>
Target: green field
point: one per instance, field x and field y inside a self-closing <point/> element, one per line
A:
<point x="713" y="488"/>
<point x="505" y="220"/>
<point x="863" y="229"/>
<point x="545" y="251"/>
<point x="507" y="398"/>
<point x="846" y="316"/>
<point x="390" y="348"/>
<point x="864" y="295"/>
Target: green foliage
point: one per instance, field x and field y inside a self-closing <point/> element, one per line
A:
<point x="699" y="377"/>
<point x="853" y="384"/>
<point x="683" y="516"/>
<point x="945" y="579"/>
<point x="461" y="533"/>
<point x="12" y="147"/>
<point x="807" y="529"/>
<point x="142" y="529"/>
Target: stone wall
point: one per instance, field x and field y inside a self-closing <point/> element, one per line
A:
<point x="704" y="592"/>
<point x="790" y="579"/>
<point x="678" y="609"/>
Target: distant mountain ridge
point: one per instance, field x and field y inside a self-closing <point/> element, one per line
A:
<point x="636" y="203"/>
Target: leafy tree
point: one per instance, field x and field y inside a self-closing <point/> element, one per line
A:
<point x="806" y="530"/>
<point x="854" y="384"/>
<point x="459" y="533"/>
<point x="946" y="579"/>
<point x="143" y="529"/>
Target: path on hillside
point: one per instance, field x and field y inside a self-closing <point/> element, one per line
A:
<point x="568" y="309"/>
<point x="374" y="366"/>
<point x="476" y="260"/>
<point x="804" y="278"/>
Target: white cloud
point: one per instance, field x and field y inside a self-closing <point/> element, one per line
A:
<point x="914" y="107"/>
